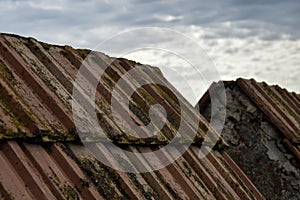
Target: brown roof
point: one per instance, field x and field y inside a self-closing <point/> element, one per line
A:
<point x="280" y="106"/>
<point x="36" y="88"/>
<point x="66" y="170"/>
<point x="41" y="155"/>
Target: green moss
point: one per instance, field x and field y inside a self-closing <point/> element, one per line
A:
<point x="64" y="53"/>
<point x="50" y="85"/>
<point x="146" y="96"/>
<point x="281" y="104"/>
<point x="33" y="62"/>
<point x="21" y="51"/>
<point x="45" y="45"/>
<point x="18" y="123"/>
<point x="101" y="177"/>
<point x="173" y="192"/>
<point x="189" y="169"/>
<point x="108" y="82"/>
<point x="149" y="194"/>
<point x="84" y="183"/>
<point x="6" y="133"/>
<point x="46" y="80"/>
<point x="202" y="127"/>
<point x="54" y="177"/>
<point x="220" y="146"/>
<point x="7" y="73"/>
<point x="69" y="192"/>
<point x="169" y="96"/>
<point x="83" y="53"/>
<point x="139" y="112"/>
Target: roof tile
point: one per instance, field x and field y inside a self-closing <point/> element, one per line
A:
<point x="36" y="85"/>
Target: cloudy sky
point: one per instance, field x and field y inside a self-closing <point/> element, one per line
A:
<point x="251" y="39"/>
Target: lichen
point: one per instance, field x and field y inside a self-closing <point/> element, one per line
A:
<point x="54" y="177"/>
<point x="69" y="192"/>
<point x="249" y="132"/>
<point x="7" y="73"/>
<point x="46" y="46"/>
<point x="101" y="177"/>
<point x="282" y="104"/>
<point x="173" y="192"/>
<point x="83" y="53"/>
<point x="148" y="194"/>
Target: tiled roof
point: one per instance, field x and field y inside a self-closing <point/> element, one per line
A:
<point x="36" y="88"/>
<point x="261" y="130"/>
<point x="60" y="171"/>
<point x="280" y="106"/>
<point x="41" y="155"/>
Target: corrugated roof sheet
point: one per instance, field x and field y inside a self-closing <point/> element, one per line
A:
<point x="69" y="171"/>
<point x="39" y="157"/>
<point x="280" y="106"/>
<point x="36" y="88"/>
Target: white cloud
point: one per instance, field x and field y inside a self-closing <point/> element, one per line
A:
<point x="273" y="61"/>
<point x="45" y="5"/>
<point x="168" y="18"/>
<point x="258" y="39"/>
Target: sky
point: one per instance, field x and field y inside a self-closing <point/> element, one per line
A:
<point x="250" y="39"/>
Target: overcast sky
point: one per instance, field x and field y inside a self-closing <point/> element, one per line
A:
<point x="254" y="39"/>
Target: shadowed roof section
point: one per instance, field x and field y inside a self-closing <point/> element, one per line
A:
<point x="280" y="106"/>
<point x="41" y="155"/>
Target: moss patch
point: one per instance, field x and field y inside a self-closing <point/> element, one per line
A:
<point x="100" y="175"/>
<point x="83" y="53"/>
<point x="7" y="73"/>
<point x="69" y="192"/>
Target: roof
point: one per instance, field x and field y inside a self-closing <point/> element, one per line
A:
<point x="41" y="154"/>
<point x="48" y="171"/>
<point x="36" y="89"/>
<point x="280" y="106"/>
<point x="258" y="131"/>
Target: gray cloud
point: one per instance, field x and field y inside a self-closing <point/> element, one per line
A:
<point x="281" y="16"/>
<point x="257" y="38"/>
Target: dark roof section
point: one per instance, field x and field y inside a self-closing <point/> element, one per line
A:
<point x="36" y="84"/>
<point x="280" y="106"/>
